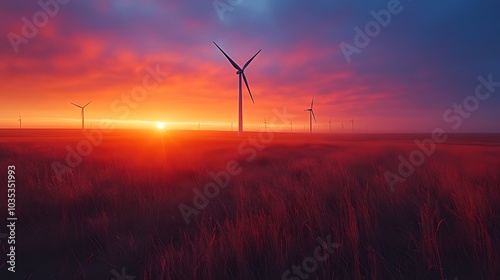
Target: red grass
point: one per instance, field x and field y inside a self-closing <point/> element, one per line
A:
<point x="119" y="208"/>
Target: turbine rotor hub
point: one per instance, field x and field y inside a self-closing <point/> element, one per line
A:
<point x="239" y="72"/>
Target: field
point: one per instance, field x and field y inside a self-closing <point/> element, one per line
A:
<point x="256" y="207"/>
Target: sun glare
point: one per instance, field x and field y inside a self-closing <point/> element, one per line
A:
<point x="160" y="125"/>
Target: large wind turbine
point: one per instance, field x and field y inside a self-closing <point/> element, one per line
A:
<point x="83" y="114"/>
<point x="240" y="74"/>
<point x="311" y="115"/>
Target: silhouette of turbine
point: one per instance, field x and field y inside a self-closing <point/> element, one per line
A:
<point x="241" y="74"/>
<point x="311" y="115"/>
<point x="83" y="113"/>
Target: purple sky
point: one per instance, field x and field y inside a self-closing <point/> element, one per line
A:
<point x="426" y="59"/>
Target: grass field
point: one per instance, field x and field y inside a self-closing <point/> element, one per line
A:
<point x="120" y="206"/>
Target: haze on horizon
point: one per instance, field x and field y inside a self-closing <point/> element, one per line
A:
<point x="427" y="59"/>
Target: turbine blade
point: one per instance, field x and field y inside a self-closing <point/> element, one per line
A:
<point x="246" y="83"/>
<point x="76" y="105"/>
<point x="312" y="112"/>
<point x="87" y="104"/>
<point x="250" y="60"/>
<point x="228" y="58"/>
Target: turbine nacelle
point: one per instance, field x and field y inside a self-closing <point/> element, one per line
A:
<point x="239" y="72"/>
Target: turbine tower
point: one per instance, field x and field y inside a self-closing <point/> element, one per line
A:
<point x="241" y="74"/>
<point x="311" y="115"/>
<point x="265" y="125"/>
<point x="83" y="112"/>
<point x="19" y="120"/>
<point x="330" y="122"/>
<point x="352" y="123"/>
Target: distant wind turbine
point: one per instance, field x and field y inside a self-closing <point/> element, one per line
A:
<point x="19" y="120"/>
<point x="311" y="115"/>
<point x="240" y="74"/>
<point x="352" y="122"/>
<point x="83" y="113"/>
<point x="265" y="125"/>
<point x="330" y="122"/>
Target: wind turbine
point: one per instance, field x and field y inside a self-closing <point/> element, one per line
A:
<point x="330" y="122"/>
<point x="83" y="114"/>
<point x="19" y="120"/>
<point x="265" y="125"/>
<point x="311" y="115"/>
<point x="352" y="121"/>
<point x="240" y="74"/>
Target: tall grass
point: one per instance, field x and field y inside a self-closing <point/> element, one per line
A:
<point x="119" y="208"/>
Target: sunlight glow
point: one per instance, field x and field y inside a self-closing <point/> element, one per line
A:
<point x="160" y="125"/>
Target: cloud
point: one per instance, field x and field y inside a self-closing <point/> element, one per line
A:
<point x="426" y="59"/>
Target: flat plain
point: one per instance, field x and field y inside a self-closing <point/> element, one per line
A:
<point x="159" y="204"/>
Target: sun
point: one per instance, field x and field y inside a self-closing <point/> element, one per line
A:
<point x="160" y="125"/>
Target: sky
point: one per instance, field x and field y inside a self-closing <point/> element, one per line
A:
<point x="409" y="76"/>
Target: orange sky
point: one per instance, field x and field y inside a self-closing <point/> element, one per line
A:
<point x="99" y="52"/>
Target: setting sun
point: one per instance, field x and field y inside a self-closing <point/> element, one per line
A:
<point x="160" y="126"/>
